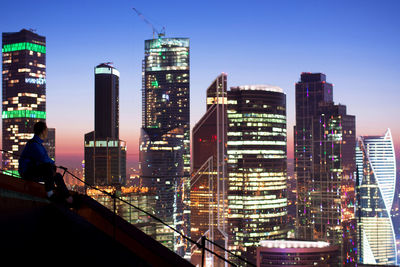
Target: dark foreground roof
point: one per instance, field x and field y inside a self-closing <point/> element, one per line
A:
<point x="36" y="232"/>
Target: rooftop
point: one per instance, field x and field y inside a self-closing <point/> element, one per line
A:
<point x="259" y="87"/>
<point x="293" y="244"/>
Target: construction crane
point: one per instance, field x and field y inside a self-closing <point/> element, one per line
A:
<point x="159" y="33"/>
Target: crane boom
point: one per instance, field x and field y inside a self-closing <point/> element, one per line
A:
<point x="159" y="34"/>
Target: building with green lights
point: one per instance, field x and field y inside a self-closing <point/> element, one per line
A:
<point x="105" y="153"/>
<point x="257" y="167"/>
<point x="24" y="90"/>
<point x="165" y="135"/>
<point x="324" y="150"/>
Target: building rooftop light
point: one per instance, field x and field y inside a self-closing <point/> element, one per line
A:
<point x="263" y="87"/>
<point x="293" y="244"/>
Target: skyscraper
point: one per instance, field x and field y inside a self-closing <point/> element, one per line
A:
<point x="24" y="90"/>
<point x="208" y="200"/>
<point x="106" y="103"/>
<point x="105" y="154"/>
<point x="257" y="167"/>
<point x="165" y="136"/>
<point x="376" y="165"/>
<point x="324" y="140"/>
<point x="50" y="143"/>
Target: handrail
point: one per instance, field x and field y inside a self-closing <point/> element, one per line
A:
<point x="159" y="220"/>
<point x="113" y="196"/>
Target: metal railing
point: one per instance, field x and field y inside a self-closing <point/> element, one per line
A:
<point x="202" y="245"/>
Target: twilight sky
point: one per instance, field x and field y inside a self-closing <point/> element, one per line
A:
<point x="355" y="43"/>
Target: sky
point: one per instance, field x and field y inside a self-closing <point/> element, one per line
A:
<point x="355" y="43"/>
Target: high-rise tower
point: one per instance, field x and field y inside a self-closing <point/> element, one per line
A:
<point x="324" y="140"/>
<point x="376" y="165"/>
<point x="208" y="194"/>
<point x="165" y="135"/>
<point x="105" y="154"/>
<point x="50" y="143"/>
<point x="106" y="101"/>
<point x="24" y="90"/>
<point x="257" y="167"/>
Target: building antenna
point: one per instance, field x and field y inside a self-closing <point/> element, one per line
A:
<point x="159" y="33"/>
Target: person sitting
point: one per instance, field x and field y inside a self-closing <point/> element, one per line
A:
<point x="36" y="165"/>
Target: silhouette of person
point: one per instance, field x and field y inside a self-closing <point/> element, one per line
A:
<point x="36" y="165"/>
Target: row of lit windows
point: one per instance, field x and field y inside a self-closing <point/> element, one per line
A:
<point x="255" y="142"/>
<point x="257" y="115"/>
<point x="230" y="133"/>
<point x="257" y="216"/>
<point x="256" y="151"/>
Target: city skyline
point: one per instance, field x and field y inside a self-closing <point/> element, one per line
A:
<point x="354" y="45"/>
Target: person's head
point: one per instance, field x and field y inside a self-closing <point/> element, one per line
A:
<point x="40" y="129"/>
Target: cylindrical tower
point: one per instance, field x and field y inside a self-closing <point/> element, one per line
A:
<point x="257" y="166"/>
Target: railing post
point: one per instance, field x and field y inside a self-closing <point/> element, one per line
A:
<point x="203" y="249"/>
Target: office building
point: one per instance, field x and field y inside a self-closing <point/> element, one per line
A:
<point x="50" y="143"/>
<point x="141" y="197"/>
<point x="208" y="200"/>
<point x="295" y="252"/>
<point x="324" y="148"/>
<point x="257" y="167"/>
<point x="24" y="91"/>
<point x="376" y="165"/>
<point x="105" y="153"/>
<point x="165" y="135"/>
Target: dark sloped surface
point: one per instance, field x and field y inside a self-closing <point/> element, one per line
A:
<point x="34" y="231"/>
<point x="51" y="235"/>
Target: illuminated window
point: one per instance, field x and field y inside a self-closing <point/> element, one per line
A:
<point x="23" y="46"/>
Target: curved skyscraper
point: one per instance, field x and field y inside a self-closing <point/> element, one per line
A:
<point x="257" y="171"/>
<point x="376" y="166"/>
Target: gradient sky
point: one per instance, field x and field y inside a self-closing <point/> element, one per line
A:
<point x="355" y="43"/>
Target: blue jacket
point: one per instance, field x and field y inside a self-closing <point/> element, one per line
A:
<point x="34" y="153"/>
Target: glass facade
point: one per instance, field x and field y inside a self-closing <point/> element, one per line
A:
<point x="208" y="201"/>
<point x="141" y="197"/>
<point x="376" y="165"/>
<point x="257" y="167"/>
<point x="165" y="136"/>
<point x="106" y="101"/>
<point x="324" y="138"/>
<point x="24" y="90"/>
<point x="105" y="153"/>
<point x="105" y="160"/>
<point x="50" y="143"/>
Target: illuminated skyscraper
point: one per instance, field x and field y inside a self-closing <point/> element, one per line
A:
<point x="324" y="138"/>
<point x="257" y="167"/>
<point x="105" y="154"/>
<point x="208" y="200"/>
<point x="376" y="165"/>
<point x="165" y="135"/>
<point x="24" y="90"/>
<point x="50" y="143"/>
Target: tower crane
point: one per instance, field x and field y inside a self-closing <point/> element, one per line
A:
<point x="159" y="33"/>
